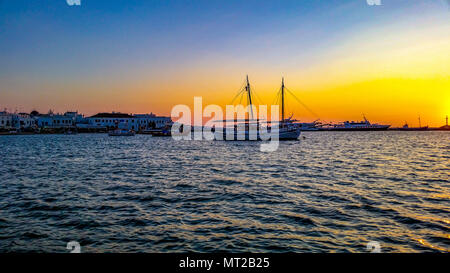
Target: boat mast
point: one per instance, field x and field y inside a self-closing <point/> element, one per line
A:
<point x="282" y="99"/>
<point x="247" y="88"/>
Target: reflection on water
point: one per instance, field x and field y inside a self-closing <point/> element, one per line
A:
<point x="330" y="192"/>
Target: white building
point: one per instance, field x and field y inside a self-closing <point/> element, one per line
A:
<point x="126" y="121"/>
<point x="23" y="121"/>
<point x="19" y="121"/>
<point x="55" y="121"/>
<point x="150" y="121"/>
<point x="112" y="120"/>
<point x="5" y="120"/>
<point x="76" y="117"/>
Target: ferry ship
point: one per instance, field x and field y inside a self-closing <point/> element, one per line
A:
<point x="364" y="125"/>
<point x="251" y="128"/>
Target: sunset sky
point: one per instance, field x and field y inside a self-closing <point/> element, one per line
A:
<point x="341" y="58"/>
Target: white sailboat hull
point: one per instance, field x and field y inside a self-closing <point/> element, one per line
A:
<point x="284" y="134"/>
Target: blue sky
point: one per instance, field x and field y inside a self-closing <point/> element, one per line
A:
<point x="50" y="38"/>
<point x="60" y="56"/>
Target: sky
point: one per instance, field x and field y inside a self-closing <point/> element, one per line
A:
<point x="341" y="58"/>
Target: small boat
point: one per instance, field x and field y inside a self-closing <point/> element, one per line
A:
<point x="157" y="132"/>
<point x="70" y="132"/>
<point x="10" y="132"/>
<point x="121" y="132"/>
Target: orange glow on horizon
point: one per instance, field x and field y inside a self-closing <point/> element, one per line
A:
<point x="390" y="101"/>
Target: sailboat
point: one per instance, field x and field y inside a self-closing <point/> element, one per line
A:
<point x="252" y="129"/>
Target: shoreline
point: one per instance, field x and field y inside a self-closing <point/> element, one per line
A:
<point x="344" y="131"/>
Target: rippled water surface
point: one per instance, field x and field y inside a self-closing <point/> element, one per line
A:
<point x="328" y="192"/>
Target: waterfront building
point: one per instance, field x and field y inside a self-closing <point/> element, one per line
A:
<point x="54" y="121"/>
<point x="76" y="117"/>
<point x="112" y="120"/>
<point x="151" y="121"/>
<point x="57" y="121"/>
<point x="23" y="121"/>
<point x="126" y="121"/>
<point x="5" y="120"/>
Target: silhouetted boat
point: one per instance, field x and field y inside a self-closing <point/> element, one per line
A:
<point x="355" y="126"/>
<point x="157" y="132"/>
<point x="407" y="128"/>
<point x="121" y="132"/>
